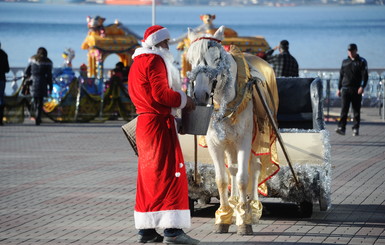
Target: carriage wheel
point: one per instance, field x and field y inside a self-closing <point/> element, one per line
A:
<point x="191" y="205"/>
<point x="323" y="203"/>
<point x="306" y="209"/>
<point x="204" y="200"/>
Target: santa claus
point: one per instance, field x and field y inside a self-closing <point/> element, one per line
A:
<point x="162" y="188"/>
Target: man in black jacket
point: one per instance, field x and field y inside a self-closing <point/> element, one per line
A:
<point x="351" y="85"/>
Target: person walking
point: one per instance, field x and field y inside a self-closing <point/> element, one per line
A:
<point x="40" y="71"/>
<point x="162" y="187"/>
<point x="351" y="85"/>
<point x="284" y="64"/>
<point x="4" y="68"/>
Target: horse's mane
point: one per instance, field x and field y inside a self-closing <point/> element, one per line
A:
<point x="197" y="48"/>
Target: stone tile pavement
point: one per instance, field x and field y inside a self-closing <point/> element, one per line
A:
<point x="75" y="184"/>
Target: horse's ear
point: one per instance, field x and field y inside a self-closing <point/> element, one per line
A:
<point x="220" y="33"/>
<point x="191" y="34"/>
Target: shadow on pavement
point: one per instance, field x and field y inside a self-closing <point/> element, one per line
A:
<point x="270" y="210"/>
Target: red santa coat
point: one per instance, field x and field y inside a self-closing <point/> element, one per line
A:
<point x="162" y="187"/>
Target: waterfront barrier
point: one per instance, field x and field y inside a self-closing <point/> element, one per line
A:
<point x="74" y="99"/>
<point x="372" y="97"/>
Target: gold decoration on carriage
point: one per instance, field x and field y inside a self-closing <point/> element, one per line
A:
<point x="102" y="41"/>
<point x="256" y="45"/>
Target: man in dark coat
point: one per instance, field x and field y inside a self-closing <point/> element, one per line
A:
<point x="4" y="68"/>
<point x="284" y="64"/>
<point x="40" y="71"/>
<point x="351" y="85"/>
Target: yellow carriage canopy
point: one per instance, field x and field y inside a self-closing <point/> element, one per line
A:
<point x="102" y="41"/>
<point x="255" y="45"/>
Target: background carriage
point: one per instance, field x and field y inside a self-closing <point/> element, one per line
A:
<point x="256" y="45"/>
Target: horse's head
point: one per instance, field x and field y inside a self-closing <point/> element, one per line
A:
<point x="209" y="63"/>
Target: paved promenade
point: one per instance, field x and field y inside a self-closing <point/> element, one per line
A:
<point x="75" y="184"/>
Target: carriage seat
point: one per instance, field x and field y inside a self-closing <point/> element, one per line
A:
<point x="300" y="103"/>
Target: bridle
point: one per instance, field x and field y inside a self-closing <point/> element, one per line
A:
<point x="223" y="67"/>
<point x="207" y="38"/>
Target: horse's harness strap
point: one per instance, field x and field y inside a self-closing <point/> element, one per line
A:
<point x="212" y="90"/>
<point x="208" y="38"/>
<point x="255" y="80"/>
<point x="244" y="85"/>
<point x="246" y="89"/>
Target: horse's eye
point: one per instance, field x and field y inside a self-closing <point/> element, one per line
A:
<point x="216" y="61"/>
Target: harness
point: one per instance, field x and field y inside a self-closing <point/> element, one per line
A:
<point x="263" y="145"/>
<point x="244" y="80"/>
<point x="244" y="86"/>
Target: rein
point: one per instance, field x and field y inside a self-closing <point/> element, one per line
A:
<point x="243" y="85"/>
<point x="227" y="109"/>
<point x="246" y="89"/>
<point x="222" y="69"/>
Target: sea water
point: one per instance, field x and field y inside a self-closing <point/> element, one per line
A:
<point x="318" y="35"/>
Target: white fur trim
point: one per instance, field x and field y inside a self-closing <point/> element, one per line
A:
<point x="163" y="219"/>
<point x="140" y="51"/>
<point x="172" y="72"/>
<point x="183" y="101"/>
<point x="157" y="37"/>
<point x="174" y="112"/>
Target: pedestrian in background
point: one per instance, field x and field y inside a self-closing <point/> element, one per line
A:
<point x="39" y="70"/>
<point x="351" y="85"/>
<point x="162" y="188"/>
<point x="4" y="68"/>
<point x="284" y="64"/>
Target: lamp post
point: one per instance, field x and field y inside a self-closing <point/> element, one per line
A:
<point x="153" y="12"/>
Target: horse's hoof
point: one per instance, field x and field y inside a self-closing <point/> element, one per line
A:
<point x="245" y="230"/>
<point x="221" y="228"/>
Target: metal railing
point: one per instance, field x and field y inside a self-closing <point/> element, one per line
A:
<point x="372" y="97"/>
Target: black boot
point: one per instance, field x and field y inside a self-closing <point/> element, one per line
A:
<point x="149" y="236"/>
<point x="1" y="114"/>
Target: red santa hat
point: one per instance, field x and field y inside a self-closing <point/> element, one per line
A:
<point x="154" y="35"/>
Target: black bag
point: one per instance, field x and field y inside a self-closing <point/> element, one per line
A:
<point x="25" y="86"/>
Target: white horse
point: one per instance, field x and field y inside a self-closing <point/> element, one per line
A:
<point x="233" y="128"/>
